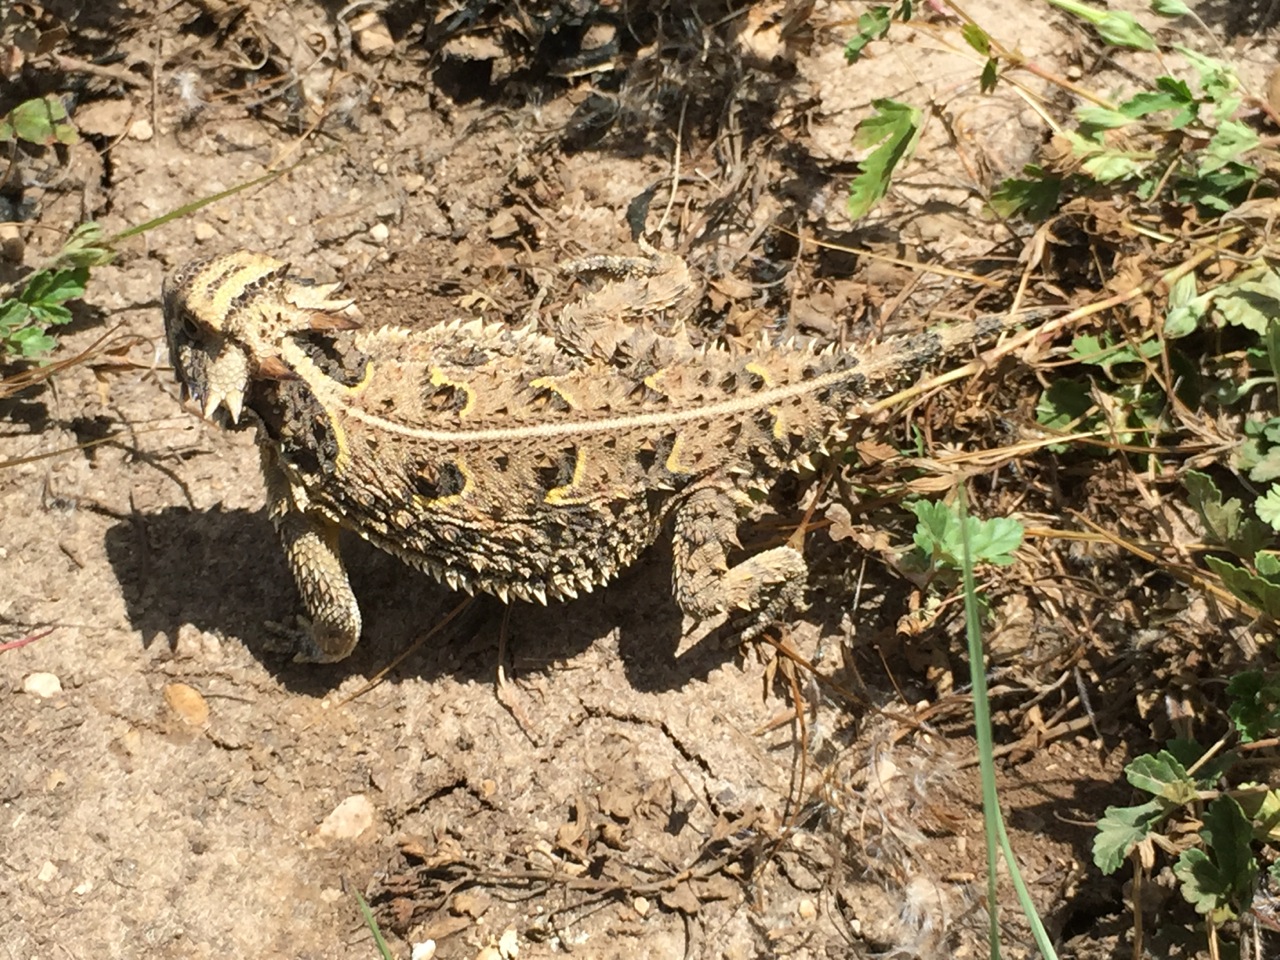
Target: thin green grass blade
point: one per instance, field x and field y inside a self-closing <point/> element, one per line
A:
<point x="993" y="822"/>
<point x="372" y="924"/>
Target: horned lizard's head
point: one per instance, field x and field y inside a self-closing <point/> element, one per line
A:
<point x="226" y="320"/>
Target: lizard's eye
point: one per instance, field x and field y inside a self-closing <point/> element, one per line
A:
<point x="190" y="328"/>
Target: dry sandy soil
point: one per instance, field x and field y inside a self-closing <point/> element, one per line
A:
<point x="191" y="792"/>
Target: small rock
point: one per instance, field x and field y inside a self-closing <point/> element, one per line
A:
<point x="471" y="903"/>
<point x="44" y="685"/>
<point x="48" y="872"/>
<point x="141" y="130"/>
<point x="489" y="953"/>
<point x="503" y="225"/>
<point x="641" y="906"/>
<point x="204" y="232"/>
<point x="509" y="944"/>
<point x="414" y="182"/>
<point x="104" y="118"/>
<point x="372" y="37"/>
<point x="395" y="116"/>
<point x="187" y="703"/>
<point x="379" y="233"/>
<point x="807" y="909"/>
<point x="12" y="246"/>
<point x="423" y="951"/>
<point x="352" y="817"/>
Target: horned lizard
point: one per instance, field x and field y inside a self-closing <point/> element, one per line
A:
<point x="499" y="458"/>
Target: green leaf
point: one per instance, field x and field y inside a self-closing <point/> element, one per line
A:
<point x="1228" y="144"/>
<point x="939" y="539"/>
<point x="1224" y="522"/>
<point x="1259" y="592"/>
<point x="1170" y="8"/>
<point x="1202" y="884"/>
<point x="1227" y="879"/>
<point x="1104" y="118"/>
<point x="1267" y="467"/>
<point x="1164" y="776"/>
<point x="1065" y="404"/>
<point x="977" y="38"/>
<point x="895" y="128"/>
<point x="1267" y="507"/>
<point x="872" y="25"/>
<point x="55" y="286"/>
<point x="1255" y="705"/>
<point x="1267" y="563"/>
<point x="1102" y="353"/>
<point x="1186" y="309"/>
<point x="990" y="75"/>
<point x="31" y="341"/>
<point x="1148" y="102"/>
<point x="1035" y="198"/>
<point x="1115" y="27"/>
<point x="50" y="314"/>
<point x="994" y="540"/>
<point x="1261" y="806"/>
<point x="1121" y="829"/>
<point x="43" y="121"/>
<point x="13" y="313"/>
<point x="1110" y="166"/>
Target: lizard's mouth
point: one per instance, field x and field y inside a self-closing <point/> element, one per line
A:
<point x="215" y="377"/>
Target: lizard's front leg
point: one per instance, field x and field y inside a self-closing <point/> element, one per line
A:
<point x="310" y="545"/>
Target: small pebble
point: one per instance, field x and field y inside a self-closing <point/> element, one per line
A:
<point x="204" y="231"/>
<point x="141" y="130"/>
<point x="352" y="817"/>
<point x="379" y="232"/>
<point x="187" y="703"/>
<point x="423" y="951"/>
<point x="509" y="944"/>
<point x="489" y="953"/>
<point x="43" y="685"/>
<point x="807" y="909"/>
<point x="641" y="906"/>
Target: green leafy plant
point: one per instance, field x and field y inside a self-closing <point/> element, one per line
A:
<point x="1212" y="831"/>
<point x="43" y="121"/>
<point x="31" y="311"/>
<point x="893" y="130"/>
<point x="941" y="532"/>
<point x="874" y="25"/>
<point x="1177" y="138"/>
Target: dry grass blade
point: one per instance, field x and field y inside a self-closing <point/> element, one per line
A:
<point x="108" y="343"/>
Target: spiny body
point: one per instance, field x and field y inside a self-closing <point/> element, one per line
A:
<point x="497" y="458"/>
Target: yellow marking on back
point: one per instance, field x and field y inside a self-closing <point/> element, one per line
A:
<point x="438" y="379"/>
<point x="549" y="383"/>
<point x="653" y="379"/>
<point x="760" y="371"/>
<point x="673" y="464"/>
<point x="559" y="496"/>
<point x="779" y="428"/>
<point x="362" y="384"/>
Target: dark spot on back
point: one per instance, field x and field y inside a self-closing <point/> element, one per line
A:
<point x="444" y="397"/>
<point x="556" y="470"/>
<point x="434" y="481"/>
